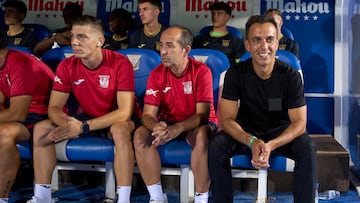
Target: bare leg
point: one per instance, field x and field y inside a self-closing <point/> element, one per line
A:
<point x="10" y="133"/>
<point x="147" y="156"/>
<point x="44" y="152"/>
<point x="124" y="153"/>
<point x="199" y="158"/>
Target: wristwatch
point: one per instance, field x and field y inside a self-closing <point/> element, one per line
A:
<point x="85" y="127"/>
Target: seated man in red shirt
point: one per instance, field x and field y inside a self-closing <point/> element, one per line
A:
<point x="25" y="84"/>
<point x="103" y="83"/>
<point x="178" y="104"/>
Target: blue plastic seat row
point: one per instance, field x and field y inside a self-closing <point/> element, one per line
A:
<point x="94" y="150"/>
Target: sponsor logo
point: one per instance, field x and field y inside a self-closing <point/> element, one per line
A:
<point x="79" y="81"/>
<point x="298" y="10"/>
<point x="151" y="92"/>
<point x="205" y="44"/>
<point x="57" y="80"/>
<point x="201" y="58"/>
<point x="135" y="60"/>
<point x="199" y="6"/>
<point x="166" y="89"/>
<point x="141" y="46"/>
<point x="57" y="5"/>
<point x="8" y="79"/>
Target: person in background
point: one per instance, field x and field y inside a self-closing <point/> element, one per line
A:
<point x="219" y="38"/>
<point x="284" y="42"/>
<point x="17" y="34"/>
<point x="178" y="104"/>
<point x="103" y="83"/>
<point x="120" y="23"/>
<point x="148" y="37"/>
<point x="262" y="112"/>
<point x="25" y="85"/>
<point x="61" y="36"/>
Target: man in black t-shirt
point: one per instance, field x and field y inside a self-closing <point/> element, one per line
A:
<point x="262" y="111"/>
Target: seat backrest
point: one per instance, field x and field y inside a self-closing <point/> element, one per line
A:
<point x="22" y="49"/>
<point x="286" y="32"/>
<point x="53" y="57"/>
<point x="284" y="56"/>
<point x="232" y="30"/>
<point x="218" y="63"/>
<point x="41" y="31"/>
<point x="143" y="61"/>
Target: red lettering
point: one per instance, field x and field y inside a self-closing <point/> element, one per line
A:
<point x="199" y="5"/>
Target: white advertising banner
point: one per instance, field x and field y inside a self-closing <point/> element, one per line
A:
<point x="195" y="14"/>
<point x="49" y="12"/>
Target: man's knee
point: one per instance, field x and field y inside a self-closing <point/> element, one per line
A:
<point x="9" y="133"/>
<point x="41" y="130"/>
<point x="141" y="137"/>
<point x="121" y="132"/>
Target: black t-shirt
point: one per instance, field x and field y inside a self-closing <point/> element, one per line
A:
<point x="264" y="104"/>
<point x="232" y="46"/>
<point x="25" y="39"/>
<point x="289" y="45"/>
<point x="113" y="44"/>
<point x="140" y="40"/>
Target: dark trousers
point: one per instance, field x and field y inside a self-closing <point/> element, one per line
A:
<point x="302" y="150"/>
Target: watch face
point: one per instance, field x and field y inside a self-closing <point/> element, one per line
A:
<point x="85" y="127"/>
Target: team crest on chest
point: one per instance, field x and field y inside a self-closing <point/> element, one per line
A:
<point x="188" y="87"/>
<point x="225" y="43"/>
<point x="104" y="81"/>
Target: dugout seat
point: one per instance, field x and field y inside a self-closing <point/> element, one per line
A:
<point x="232" y="30"/>
<point x="53" y="57"/>
<point x="41" y="31"/>
<point x="22" y="49"/>
<point x="286" y="32"/>
<point x="143" y="61"/>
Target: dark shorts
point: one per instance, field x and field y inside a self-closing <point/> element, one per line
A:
<point x="32" y="119"/>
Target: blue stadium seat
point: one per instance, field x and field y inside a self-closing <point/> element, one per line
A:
<point x="143" y="61"/>
<point x="53" y="57"/>
<point x="41" y="31"/>
<point x="232" y="30"/>
<point x="22" y="49"/>
<point x="286" y="32"/>
<point x="24" y="150"/>
<point x="218" y="63"/>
